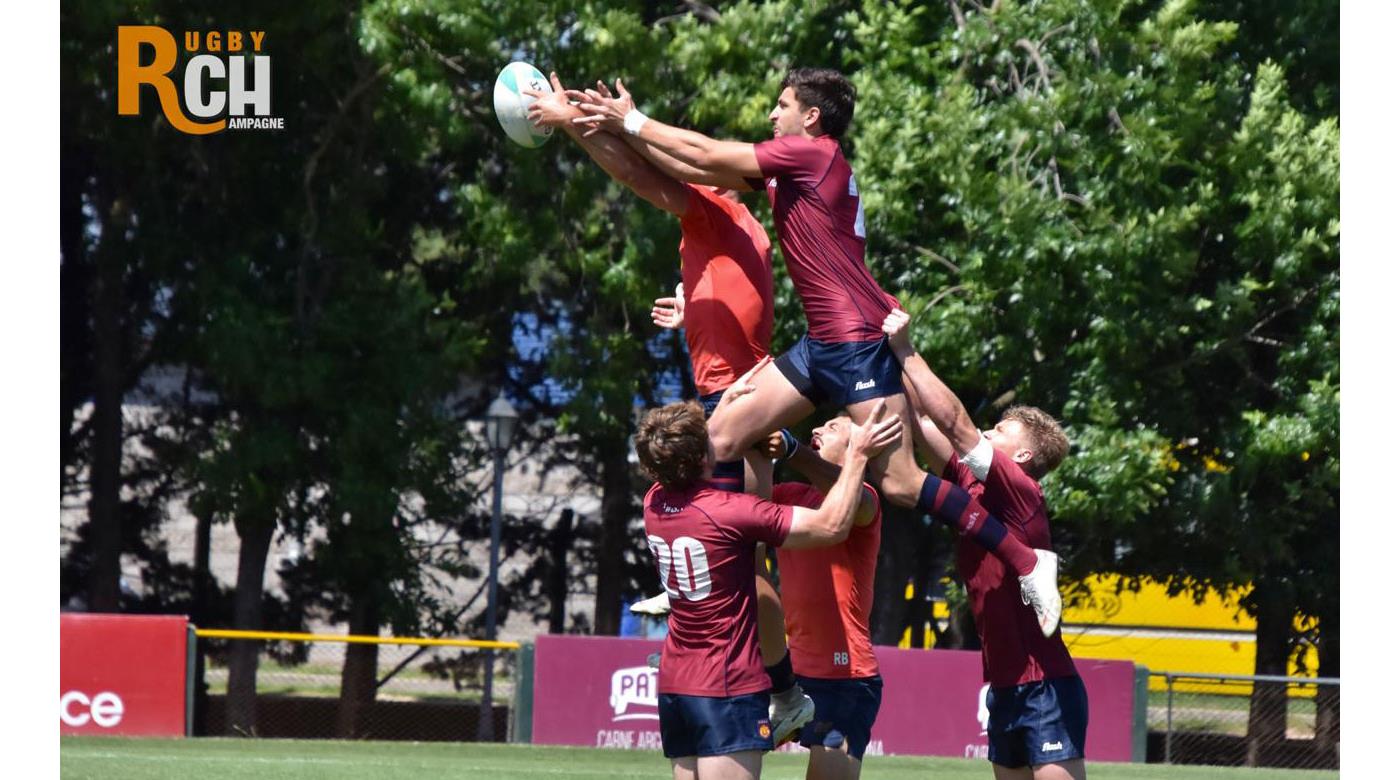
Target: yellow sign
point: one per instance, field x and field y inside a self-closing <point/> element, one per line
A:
<point x="1151" y="628"/>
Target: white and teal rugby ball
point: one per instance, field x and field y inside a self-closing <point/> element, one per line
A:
<point x="511" y="104"/>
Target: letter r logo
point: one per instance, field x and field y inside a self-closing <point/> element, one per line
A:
<point x="131" y="74"/>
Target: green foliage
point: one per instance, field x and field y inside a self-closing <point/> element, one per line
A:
<point x="1125" y="212"/>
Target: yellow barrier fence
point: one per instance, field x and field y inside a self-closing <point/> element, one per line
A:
<point x="423" y="688"/>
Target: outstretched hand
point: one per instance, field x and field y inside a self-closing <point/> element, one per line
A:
<point x="875" y="434"/>
<point x="896" y="326"/>
<point x="601" y="109"/>
<point x="743" y="385"/>
<point x="669" y="313"/>
<point x="550" y="109"/>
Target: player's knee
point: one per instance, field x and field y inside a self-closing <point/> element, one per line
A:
<point x="902" y="493"/>
<point x="727" y="448"/>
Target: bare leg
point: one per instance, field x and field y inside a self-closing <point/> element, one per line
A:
<point x="1061" y="770"/>
<point x="826" y="763"/>
<point x="758" y="474"/>
<point x="773" y="404"/>
<point x="772" y="630"/>
<point x="902" y="482"/>
<point x="745" y="765"/>
<point x="683" y="768"/>
<point x="1007" y="773"/>
<point x="899" y="476"/>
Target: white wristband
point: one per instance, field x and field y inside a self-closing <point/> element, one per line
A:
<point x="979" y="459"/>
<point x="633" y="122"/>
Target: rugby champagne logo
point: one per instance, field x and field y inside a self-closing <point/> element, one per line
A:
<point x="226" y="85"/>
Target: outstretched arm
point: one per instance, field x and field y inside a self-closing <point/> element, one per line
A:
<point x="929" y="396"/>
<point x="684" y="171"/>
<point x="823" y="476"/>
<point x="831" y="522"/>
<point x="619" y="160"/>
<point x="709" y="156"/>
<point x="928" y="440"/>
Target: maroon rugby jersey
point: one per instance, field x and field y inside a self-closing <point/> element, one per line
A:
<point x="1014" y="651"/>
<point x="702" y="540"/>
<point x="821" y="228"/>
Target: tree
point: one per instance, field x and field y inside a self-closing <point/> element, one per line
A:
<point x="1087" y="210"/>
<point x="1123" y="212"/>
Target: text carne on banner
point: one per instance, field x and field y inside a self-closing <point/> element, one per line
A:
<point x="123" y="674"/>
<point x="600" y="691"/>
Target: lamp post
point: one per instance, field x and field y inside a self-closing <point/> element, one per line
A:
<point x="500" y="429"/>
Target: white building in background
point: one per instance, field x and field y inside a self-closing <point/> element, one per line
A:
<point x="527" y="494"/>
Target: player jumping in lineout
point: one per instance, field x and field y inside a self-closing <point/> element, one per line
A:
<point x="727" y="275"/>
<point x="844" y="357"/>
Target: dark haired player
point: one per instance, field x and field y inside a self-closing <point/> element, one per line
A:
<point x="712" y="688"/>
<point x="843" y="359"/>
<point x="1037" y="704"/>
<point x="827" y="597"/>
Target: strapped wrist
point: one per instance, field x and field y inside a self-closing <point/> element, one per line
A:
<point x="633" y="122"/>
<point x="789" y="445"/>
<point x="979" y="459"/>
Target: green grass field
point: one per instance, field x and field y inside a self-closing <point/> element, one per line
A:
<point x="109" y="758"/>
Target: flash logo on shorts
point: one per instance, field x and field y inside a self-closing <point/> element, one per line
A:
<point x="764" y="730"/>
<point x="1049" y="746"/>
<point x="866" y="385"/>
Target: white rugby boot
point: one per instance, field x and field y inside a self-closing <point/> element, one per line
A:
<point x="657" y="605"/>
<point x="1041" y="590"/>
<point x="788" y="713"/>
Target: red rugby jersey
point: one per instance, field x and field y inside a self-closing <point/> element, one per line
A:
<point x="821" y="228"/>
<point x="727" y="271"/>
<point x="827" y="596"/>
<point x="1014" y="651"/>
<point x="702" y="541"/>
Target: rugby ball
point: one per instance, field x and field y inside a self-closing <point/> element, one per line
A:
<point x="511" y="104"/>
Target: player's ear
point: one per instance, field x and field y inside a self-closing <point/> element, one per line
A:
<point x="812" y="118"/>
<point x="1022" y="455"/>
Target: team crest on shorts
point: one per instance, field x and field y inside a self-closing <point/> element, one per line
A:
<point x="764" y="730"/>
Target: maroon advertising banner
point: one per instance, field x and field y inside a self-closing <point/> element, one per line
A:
<point x="600" y="691"/>
<point x="122" y="674"/>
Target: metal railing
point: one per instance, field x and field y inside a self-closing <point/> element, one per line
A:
<point x="1244" y="720"/>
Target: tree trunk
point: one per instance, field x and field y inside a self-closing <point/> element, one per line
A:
<point x="203" y="527"/>
<point x="360" y="673"/>
<point x="75" y="304"/>
<point x="561" y="538"/>
<point x="1328" y="733"/>
<point x="200" y="612"/>
<point x="899" y="532"/>
<point x="255" y="539"/>
<point x="612" y="544"/>
<point x="104" y="507"/>
<point x="918" y="610"/>
<point x="1268" y="704"/>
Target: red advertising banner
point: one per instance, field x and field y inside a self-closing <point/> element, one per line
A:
<point x="122" y="674"/>
<point x="599" y="691"/>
